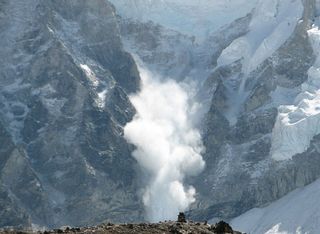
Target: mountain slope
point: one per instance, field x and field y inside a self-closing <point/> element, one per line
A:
<point x="297" y="212"/>
<point x="242" y="73"/>
<point x="68" y="68"/>
<point x="63" y="92"/>
<point x="240" y="140"/>
<point x="193" y="18"/>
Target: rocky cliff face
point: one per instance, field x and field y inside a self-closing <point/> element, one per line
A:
<point x="64" y="87"/>
<point x="240" y="143"/>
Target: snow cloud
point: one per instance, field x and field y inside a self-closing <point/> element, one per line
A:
<point x="168" y="147"/>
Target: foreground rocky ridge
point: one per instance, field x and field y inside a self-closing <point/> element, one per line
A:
<point x="168" y="227"/>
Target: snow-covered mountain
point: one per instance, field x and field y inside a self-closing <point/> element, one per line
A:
<point x="256" y="78"/>
<point x="197" y="18"/>
<point x="248" y="75"/>
<point x="298" y="212"/>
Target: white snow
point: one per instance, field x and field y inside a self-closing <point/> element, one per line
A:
<point x="168" y="147"/>
<point x="191" y="17"/>
<point x="298" y="123"/>
<point x="298" y="212"/>
<point x="100" y="99"/>
<point x="89" y="168"/>
<point x="271" y="25"/>
<point x="90" y="75"/>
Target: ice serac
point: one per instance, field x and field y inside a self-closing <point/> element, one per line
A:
<point x="298" y="123"/>
<point x="64" y="85"/>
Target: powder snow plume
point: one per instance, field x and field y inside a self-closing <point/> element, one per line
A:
<point x="168" y="148"/>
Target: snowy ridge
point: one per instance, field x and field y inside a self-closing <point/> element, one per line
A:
<point x="298" y="212"/>
<point x="298" y="123"/>
<point x="271" y="25"/>
<point x="191" y="17"/>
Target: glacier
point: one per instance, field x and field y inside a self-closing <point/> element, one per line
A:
<point x="296" y="213"/>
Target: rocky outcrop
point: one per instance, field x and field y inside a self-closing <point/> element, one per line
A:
<point x="167" y="227"/>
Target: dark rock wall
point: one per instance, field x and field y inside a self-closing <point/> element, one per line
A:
<point x="63" y="156"/>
